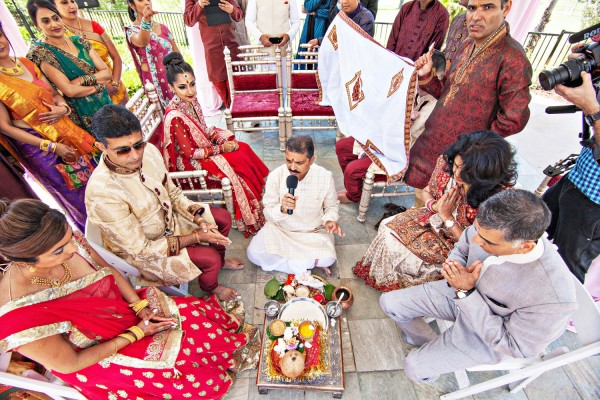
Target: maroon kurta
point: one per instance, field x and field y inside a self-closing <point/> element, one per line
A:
<point x="457" y="34"/>
<point x="414" y="30"/>
<point x="215" y="38"/>
<point x="489" y="91"/>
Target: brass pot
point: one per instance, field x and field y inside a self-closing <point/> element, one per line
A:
<point x="348" y="297"/>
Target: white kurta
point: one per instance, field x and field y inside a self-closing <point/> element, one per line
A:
<point x="301" y="236"/>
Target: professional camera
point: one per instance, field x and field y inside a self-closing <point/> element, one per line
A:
<point x="569" y="72"/>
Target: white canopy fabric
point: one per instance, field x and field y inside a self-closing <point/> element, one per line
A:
<point x="521" y="19"/>
<point x="11" y="29"/>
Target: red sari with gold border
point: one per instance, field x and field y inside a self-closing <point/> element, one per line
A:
<point x="193" y="360"/>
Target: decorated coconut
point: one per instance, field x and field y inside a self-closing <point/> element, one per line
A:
<point x="292" y="364"/>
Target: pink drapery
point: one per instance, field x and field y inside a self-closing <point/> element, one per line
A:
<point x="207" y="95"/>
<point x="521" y="19"/>
<point x="11" y="29"/>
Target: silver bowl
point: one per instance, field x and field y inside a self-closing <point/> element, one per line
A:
<point x="272" y="308"/>
<point x="333" y="309"/>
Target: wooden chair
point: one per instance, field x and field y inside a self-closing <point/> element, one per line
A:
<point x="375" y="185"/>
<point x="256" y="94"/>
<point x="147" y="108"/>
<point x="587" y="322"/>
<point x="303" y="93"/>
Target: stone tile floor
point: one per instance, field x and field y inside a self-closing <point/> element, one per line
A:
<point x="372" y="349"/>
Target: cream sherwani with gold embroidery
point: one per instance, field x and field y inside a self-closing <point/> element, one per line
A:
<point x="137" y="211"/>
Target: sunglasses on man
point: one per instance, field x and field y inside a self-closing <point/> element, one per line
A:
<point x="121" y="151"/>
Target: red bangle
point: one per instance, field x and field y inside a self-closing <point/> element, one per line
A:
<point x="429" y="205"/>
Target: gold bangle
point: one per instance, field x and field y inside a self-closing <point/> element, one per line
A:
<point x="44" y="144"/>
<point x="129" y="336"/>
<point x="137" y="331"/>
<point x="427" y="80"/>
<point x="197" y="236"/>
<point x="139" y="305"/>
<point x="198" y="220"/>
<point x="115" y="342"/>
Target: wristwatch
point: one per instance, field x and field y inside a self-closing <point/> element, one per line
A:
<point x="461" y="293"/>
<point x="449" y="223"/>
<point x="592" y="118"/>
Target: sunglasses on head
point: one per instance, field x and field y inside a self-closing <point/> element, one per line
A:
<point x="121" y="151"/>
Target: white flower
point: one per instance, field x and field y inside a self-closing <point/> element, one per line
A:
<point x="280" y="347"/>
<point x="289" y="289"/>
<point x="288" y="333"/>
<point x="308" y="345"/>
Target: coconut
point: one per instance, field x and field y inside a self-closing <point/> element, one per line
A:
<point x="292" y="364"/>
<point x="302" y="291"/>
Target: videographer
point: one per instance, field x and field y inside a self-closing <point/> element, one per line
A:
<point x="575" y="200"/>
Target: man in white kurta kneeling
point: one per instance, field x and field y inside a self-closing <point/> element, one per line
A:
<point x="297" y="242"/>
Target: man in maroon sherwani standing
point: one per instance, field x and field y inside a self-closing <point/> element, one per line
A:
<point x="215" y="39"/>
<point x="487" y="87"/>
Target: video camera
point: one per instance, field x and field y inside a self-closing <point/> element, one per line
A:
<point x="569" y="72"/>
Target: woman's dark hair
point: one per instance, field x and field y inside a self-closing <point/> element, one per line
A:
<point x="130" y="10"/>
<point x="488" y="164"/>
<point x="34" y="5"/>
<point x="29" y="228"/>
<point x="175" y="65"/>
<point x="114" y="121"/>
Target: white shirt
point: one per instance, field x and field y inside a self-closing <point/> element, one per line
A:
<point x="256" y="33"/>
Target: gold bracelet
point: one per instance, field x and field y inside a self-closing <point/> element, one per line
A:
<point x="139" y="305"/>
<point x="44" y="144"/>
<point x="198" y="220"/>
<point x="197" y="236"/>
<point x="427" y="80"/>
<point x="115" y="342"/>
<point x="129" y="336"/>
<point x="137" y="331"/>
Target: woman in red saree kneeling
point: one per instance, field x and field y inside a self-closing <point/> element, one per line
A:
<point x="64" y="307"/>
<point x="189" y="144"/>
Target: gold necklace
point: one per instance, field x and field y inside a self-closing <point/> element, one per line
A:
<point x="54" y="282"/>
<point x="17" y="70"/>
<point x="80" y="29"/>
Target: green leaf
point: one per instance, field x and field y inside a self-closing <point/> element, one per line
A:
<point x="272" y="288"/>
<point x="329" y="288"/>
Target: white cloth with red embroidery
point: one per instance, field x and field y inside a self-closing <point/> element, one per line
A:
<point x="371" y="91"/>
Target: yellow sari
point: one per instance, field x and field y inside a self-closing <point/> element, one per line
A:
<point x="100" y="48"/>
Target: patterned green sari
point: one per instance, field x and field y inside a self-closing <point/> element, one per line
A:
<point x="72" y="67"/>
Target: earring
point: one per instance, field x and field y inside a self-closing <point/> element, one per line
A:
<point x="135" y="14"/>
<point x="31" y="268"/>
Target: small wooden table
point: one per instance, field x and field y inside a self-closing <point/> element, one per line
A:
<point x="327" y="382"/>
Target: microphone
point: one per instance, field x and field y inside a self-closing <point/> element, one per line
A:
<point x="292" y="183"/>
<point x="589" y="33"/>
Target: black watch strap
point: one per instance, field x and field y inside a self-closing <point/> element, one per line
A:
<point x="592" y="118"/>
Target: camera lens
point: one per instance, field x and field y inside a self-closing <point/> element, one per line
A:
<point x="565" y="73"/>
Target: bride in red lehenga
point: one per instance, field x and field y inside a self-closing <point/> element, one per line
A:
<point x="189" y="144"/>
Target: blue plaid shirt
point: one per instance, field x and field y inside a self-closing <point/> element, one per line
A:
<point x="586" y="175"/>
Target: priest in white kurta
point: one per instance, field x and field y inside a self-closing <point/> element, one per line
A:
<point x="295" y="243"/>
